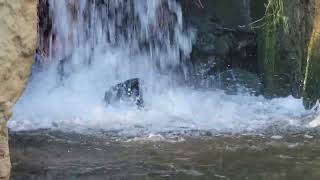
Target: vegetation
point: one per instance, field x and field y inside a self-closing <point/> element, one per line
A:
<point x="282" y="47"/>
<point x="274" y="16"/>
<point x="312" y="74"/>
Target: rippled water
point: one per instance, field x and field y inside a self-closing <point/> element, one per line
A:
<point x="57" y="155"/>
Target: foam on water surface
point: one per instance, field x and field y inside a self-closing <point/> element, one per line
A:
<point x="173" y="110"/>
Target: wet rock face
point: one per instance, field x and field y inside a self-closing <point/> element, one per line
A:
<point x="311" y="92"/>
<point x="18" y="29"/>
<point x="223" y="40"/>
<point x="282" y="50"/>
<point x="283" y="42"/>
<point x="128" y="91"/>
<point x="228" y="13"/>
<point x="45" y="27"/>
<point x="236" y="47"/>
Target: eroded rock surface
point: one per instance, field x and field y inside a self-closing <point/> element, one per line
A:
<point x="18" y="29"/>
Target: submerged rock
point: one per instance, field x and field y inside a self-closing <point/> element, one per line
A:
<point x="128" y="91"/>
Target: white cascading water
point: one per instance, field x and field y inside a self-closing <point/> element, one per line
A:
<point x="97" y="46"/>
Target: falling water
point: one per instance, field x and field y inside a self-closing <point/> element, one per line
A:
<point x="146" y="38"/>
<point x="96" y="44"/>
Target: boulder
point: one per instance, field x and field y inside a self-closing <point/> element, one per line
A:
<point x="128" y="91"/>
<point x="18" y="29"/>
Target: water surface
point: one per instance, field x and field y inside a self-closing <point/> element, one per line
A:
<point x="58" y="155"/>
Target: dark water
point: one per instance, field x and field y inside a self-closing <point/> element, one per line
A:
<point x="57" y="156"/>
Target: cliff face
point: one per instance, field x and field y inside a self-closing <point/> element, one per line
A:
<point x="18" y="29"/>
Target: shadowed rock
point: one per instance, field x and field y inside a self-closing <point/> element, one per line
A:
<point x="128" y="91"/>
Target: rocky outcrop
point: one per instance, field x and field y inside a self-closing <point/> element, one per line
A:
<point x="18" y="29"/>
<point x="312" y="76"/>
<point x="288" y="44"/>
<point x="283" y="37"/>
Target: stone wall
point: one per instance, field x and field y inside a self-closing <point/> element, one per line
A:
<point x="18" y="29"/>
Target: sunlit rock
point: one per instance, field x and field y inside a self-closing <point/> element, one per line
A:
<point x="18" y="28"/>
<point x="312" y="76"/>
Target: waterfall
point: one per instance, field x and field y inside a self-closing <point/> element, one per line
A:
<point x="95" y="44"/>
<point x="150" y="32"/>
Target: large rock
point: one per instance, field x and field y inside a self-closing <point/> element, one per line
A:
<point x="18" y="29"/>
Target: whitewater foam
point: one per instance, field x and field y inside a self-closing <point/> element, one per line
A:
<point x="90" y="52"/>
<point x="174" y="110"/>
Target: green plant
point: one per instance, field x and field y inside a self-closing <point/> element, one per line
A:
<point x="274" y="17"/>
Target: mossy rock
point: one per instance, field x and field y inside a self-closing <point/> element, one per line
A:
<point x="312" y="80"/>
<point x="283" y="37"/>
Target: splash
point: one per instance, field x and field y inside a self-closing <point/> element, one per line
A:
<point x="96" y="44"/>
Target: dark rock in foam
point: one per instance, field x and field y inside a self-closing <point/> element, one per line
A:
<point x="128" y="91"/>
